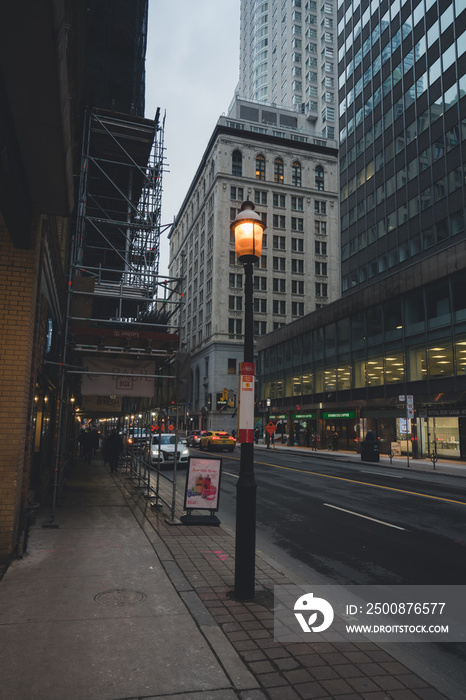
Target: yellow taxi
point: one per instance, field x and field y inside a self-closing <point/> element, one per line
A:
<point x="217" y="440"/>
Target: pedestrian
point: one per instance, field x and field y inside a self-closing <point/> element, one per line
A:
<point x="95" y="436"/>
<point x="314" y="442"/>
<point x="233" y="433"/>
<point x="113" y="447"/>
<point x="88" y="444"/>
<point x="256" y="436"/>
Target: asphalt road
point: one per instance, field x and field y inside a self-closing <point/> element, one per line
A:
<point x="348" y="523"/>
<point x="357" y="524"/>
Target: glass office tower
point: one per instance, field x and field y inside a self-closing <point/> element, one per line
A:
<point x="402" y="111"/>
<point x="288" y="58"/>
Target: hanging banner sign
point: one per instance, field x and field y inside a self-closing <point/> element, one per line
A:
<point x="118" y="378"/>
<point x="101" y="404"/>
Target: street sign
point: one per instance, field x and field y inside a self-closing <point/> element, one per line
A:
<point x="270" y="428"/>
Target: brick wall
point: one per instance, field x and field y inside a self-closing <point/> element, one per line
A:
<point x="18" y="290"/>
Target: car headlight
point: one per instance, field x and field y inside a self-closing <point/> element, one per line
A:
<point x="185" y="452"/>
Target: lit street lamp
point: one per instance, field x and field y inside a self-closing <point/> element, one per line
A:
<point x="248" y="229"/>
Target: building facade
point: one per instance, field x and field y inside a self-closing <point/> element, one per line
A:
<point x="288" y="58"/>
<point x="398" y="330"/>
<point x="265" y="155"/>
<point x="402" y="81"/>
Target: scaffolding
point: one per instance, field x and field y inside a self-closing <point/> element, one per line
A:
<point x="117" y="305"/>
<point x="115" y="253"/>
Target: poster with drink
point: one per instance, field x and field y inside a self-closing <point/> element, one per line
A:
<point x="202" y="484"/>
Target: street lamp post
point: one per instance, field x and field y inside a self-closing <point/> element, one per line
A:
<point x="248" y="229"/>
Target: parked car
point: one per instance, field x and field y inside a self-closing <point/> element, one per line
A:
<point x="163" y="448"/>
<point x="217" y="440"/>
<point x="194" y="437"/>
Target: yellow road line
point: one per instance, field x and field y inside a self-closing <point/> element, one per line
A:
<point x="363" y="483"/>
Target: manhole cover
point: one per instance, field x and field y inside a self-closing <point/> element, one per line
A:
<point x="120" y="597"/>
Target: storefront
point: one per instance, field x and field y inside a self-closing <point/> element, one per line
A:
<point x="443" y="429"/>
<point x="339" y="430"/>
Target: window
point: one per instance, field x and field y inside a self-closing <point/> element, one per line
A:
<point x="235" y="327"/>
<point x="260" y="327"/>
<point x="297" y="308"/>
<point x="319" y="178"/>
<point x="279" y="307"/>
<point x="278" y="264"/>
<point x="237" y="163"/>
<point x="297" y="224"/>
<point x="233" y="257"/>
<point x="321" y="289"/>
<point x="279" y="200"/>
<point x="235" y="280"/>
<point x="297" y="287"/>
<point x="278" y="171"/>
<point x="237" y="193"/>
<point x="260" y="283"/>
<point x="278" y="221"/>
<point x="320" y="227"/>
<point x="320" y="207"/>
<point x="297" y="203"/>
<point x="279" y="242"/>
<point x="260" y="167"/>
<point x="297" y="245"/>
<point x="279" y="285"/>
<point x="297" y="266"/>
<point x="235" y="303"/>
<point x="231" y="365"/>
<point x="321" y="247"/>
<point x="321" y="268"/>
<point x="260" y="197"/>
<point x="260" y="305"/>
<point x="296" y="174"/>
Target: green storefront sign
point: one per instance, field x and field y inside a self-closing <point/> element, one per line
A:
<point x="304" y="416"/>
<point x="343" y="414"/>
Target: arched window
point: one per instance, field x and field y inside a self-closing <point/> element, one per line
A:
<point x="296" y="174"/>
<point x="278" y="170"/>
<point x="237" y="164"/>
<point x="319" y="175"/>
<point x="260" y="167"/>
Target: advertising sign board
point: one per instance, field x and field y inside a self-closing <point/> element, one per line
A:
<point x="202" y="484"/>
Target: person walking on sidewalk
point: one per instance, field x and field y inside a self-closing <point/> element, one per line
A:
<point x="113" y="448"/>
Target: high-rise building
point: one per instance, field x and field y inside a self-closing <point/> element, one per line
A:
<point x="401" y="73"/>
<point x="288" y="58"/>
<point x="271" y="157"/>
<point x="399" y="330"/>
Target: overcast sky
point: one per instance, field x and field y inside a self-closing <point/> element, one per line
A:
<point x="192" y="69"/>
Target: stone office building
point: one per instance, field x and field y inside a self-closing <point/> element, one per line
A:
<point x="271" y="157"/>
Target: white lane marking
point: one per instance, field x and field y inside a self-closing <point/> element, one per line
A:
<point x="359" y="515"/>
<point x="236" y="476"/>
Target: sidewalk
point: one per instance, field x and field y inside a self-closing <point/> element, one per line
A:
<point x="443" y="466"/>
<point x="117" y="604"/>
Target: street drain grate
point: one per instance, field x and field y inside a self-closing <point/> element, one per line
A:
<point x="120" y="597"/>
